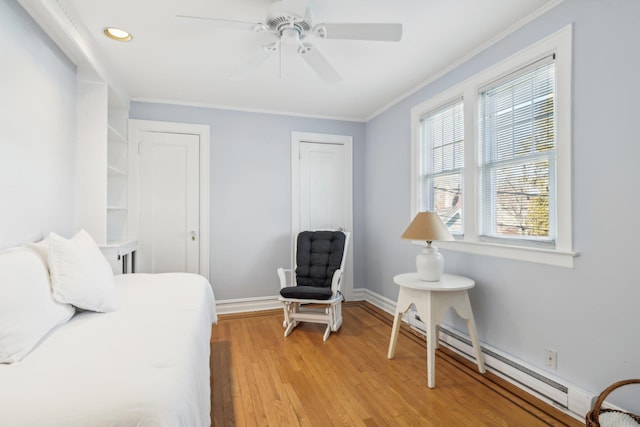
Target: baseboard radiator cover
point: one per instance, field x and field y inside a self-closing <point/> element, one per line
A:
<point x="566" y="397"/>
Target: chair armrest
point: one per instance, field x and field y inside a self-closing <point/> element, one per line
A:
<point x="283" y="277"/>
<point x="336" y="281"/>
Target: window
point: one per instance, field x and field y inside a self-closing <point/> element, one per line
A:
<point x="492" y="155"/>
<point x="442" y="151"/>
<point x="517" y="165"/>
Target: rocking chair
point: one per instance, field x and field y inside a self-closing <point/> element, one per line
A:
<point x="319" y="271"/>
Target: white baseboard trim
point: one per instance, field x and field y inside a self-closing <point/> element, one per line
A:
<point x="245" y="305"/>
<point x="359" y="294"/>
<point x="386" y="304"/>
<point x="565" y="396"/>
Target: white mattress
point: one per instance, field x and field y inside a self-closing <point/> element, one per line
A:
<point x="146" y="364"/>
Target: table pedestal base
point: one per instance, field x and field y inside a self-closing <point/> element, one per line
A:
<point x="432" y="306"/>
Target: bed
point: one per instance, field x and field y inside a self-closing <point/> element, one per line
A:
<point x="145" y="364"/>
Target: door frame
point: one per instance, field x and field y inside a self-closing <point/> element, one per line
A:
<point x="203" y="131"/>
<point x="298" y="138"/>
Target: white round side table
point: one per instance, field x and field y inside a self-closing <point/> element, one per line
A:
<point x="432" y="299"/>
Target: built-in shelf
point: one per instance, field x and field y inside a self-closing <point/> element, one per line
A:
<point x="115" y="136"/>
<point x="117" y="177"/>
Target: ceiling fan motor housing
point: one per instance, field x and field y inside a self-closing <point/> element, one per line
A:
<point x="284" y="22"/>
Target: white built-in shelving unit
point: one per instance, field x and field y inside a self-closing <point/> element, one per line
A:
<point x="119" y="245"/>
<point x="117" y="178"/>
<point x="103" y="169"/>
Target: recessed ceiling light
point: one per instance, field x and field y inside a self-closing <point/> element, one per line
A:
<point x="117" y="34"/>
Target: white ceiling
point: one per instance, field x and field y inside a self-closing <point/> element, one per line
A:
<point x="190" y="61"/>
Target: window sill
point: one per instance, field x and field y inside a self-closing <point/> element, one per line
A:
<point x="541" y="256"/>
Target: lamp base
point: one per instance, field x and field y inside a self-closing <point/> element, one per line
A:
<point x="430" y="264"/>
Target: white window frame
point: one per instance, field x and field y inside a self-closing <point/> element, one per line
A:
<point x="560" y="44"/>
<point x="425" y="152"/>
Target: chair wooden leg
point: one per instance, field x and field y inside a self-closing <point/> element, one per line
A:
<point x="337" y="316"/>
<point x="286" y="322"/>
<point x="336" y="325"/>
<point x="292" y="325"/>
<point x="327" y="332"/>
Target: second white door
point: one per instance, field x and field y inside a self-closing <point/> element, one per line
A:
<point x="322" y="186"/>
<point x="322" y="189"/>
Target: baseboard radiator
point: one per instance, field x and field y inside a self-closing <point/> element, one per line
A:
<point x="554" y="391"/>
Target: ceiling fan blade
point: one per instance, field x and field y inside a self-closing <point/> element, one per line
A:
<point x="254" y="62"/>
<point x="373" y="32"/>
<point x="226" y="24"/>
<point x="319" y="63"/>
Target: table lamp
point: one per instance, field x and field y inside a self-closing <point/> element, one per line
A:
<point x="428" y="226"/>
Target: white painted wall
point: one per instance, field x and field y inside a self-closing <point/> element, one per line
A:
<point x="589" y="313"/>
<point x="251" y="192"/>
<point x="37" y="131"/>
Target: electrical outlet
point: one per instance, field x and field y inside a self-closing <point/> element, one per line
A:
<point x="551" y="358"/>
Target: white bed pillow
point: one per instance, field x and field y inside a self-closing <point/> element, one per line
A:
<point x="27" y="309"/>
<point x="80" y="274"/>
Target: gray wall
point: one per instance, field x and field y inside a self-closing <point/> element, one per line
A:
<point x="37" y="131"/>
<point x="589" y="314"/>
<point x="251" y="192"/>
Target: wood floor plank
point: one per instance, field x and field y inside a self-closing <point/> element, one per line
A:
<point x="260" y="378"/>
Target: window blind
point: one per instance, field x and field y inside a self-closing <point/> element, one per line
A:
<point x="442" y="154"/>
<point x="518" y="149"/>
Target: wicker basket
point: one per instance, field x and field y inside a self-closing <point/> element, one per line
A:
<point x="593" y="416"/>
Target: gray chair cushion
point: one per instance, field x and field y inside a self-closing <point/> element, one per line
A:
<point x="318" y="256"/>
<point x="306" y="292"/>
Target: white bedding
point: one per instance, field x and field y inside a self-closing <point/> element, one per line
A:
<point x="146" y="364"/>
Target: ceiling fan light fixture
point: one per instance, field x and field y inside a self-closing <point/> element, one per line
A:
<point x="117" y="34"/>
<point x="290" y="36"/>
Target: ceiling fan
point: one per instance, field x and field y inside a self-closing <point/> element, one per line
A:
<point x="290" y="23"/>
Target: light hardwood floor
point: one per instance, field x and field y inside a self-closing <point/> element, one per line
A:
<point x="260" y="378"/>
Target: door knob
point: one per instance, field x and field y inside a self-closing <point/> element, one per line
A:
<point x="193" y="235"/>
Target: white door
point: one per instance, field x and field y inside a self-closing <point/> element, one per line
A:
<point x="322" y="189"/>
<point x="169" y="205"/>
<point x="322" y="186"/>
<point x="169" y="197"/>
